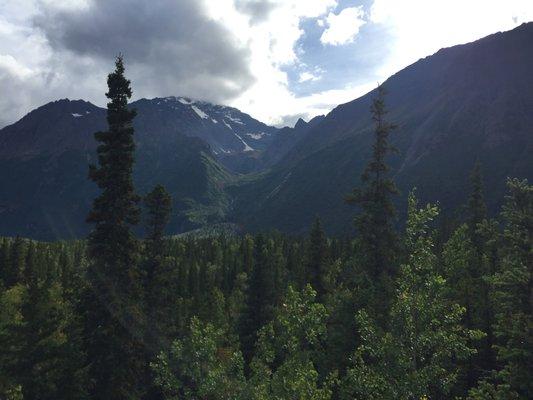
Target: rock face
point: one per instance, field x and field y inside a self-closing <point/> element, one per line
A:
<point x="464" y="103"/>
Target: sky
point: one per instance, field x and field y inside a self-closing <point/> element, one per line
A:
<point x="277" y="60"/>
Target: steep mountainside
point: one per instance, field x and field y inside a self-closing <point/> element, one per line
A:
<point x="44" y="163"/>
<point x="467" y="102"/>
<point x="227" y="130"/>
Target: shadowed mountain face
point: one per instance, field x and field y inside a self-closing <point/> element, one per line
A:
<point x="44" y="165"/>
<point x="468" y="102"/>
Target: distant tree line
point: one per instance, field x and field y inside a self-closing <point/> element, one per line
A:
<point x="416" y="314"/>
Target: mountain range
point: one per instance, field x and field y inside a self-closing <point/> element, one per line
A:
<point x="465" y="103"/>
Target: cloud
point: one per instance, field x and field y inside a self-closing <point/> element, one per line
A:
<point x="272" y="45"/>
<point x="343" y="27"/>
<point x="168" y="45"/>
<point x="258" y="10"/>
<point x="227" y="51"/>
<point x="307" y="76"/>
<point x="418" y="28"/>
<point x="320" y="103"/>
<point x="237" y="52"/>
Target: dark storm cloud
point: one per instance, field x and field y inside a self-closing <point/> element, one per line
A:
<point x="170" y="46"/>
<point x="258" y="10"/>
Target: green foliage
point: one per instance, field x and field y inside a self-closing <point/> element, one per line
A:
<point x="218" y="322"/>
<point x="264" y="290"/>
<point x="114" y="310"/>
<point x="287" y="348"/>
<point x="317" y="262"/>
<point x="416" y="357"/>
<point x="512" y="284"/>
<point x="200" y="366"/>
<point x="375" y="222"/>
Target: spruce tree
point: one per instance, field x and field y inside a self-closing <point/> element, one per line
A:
<point x="159" y="206"/>
<point x="469" y="279"/>
<point x="377" y="238"/>
<point x="114" y="307"/>
<point x="317" y="259"/>
<point x="512" y="296"/>
<point x="160" y="294"/>
<point x="5" y="265"/>
<point x="50" y="361"/>
<point x="16" y="262"/>
<point x="476" y="208"/>
<point x="261" y="296"/>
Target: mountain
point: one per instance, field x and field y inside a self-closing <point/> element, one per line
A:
<point x="464" y="103"/>
<point x="44" y="161"/>
<point x="228" y="131"/>
<point x="467" y="102"/>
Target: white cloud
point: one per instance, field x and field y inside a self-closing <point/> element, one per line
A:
<point x="343" y="27"/>
<point x="34" y="73"/>
<point x="308" y="76"/>
<point x="272" y="44"/>
<point x="421" y="27"/>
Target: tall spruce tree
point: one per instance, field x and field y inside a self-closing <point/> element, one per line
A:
<point x="476" y="208"/>
<point x="15" y="266"/>
<point x="317" y="259"/>
<point x="377" y="238"/>
<point x="50" y="363"/>
<point x="261" y="296"/>
<point x="158" y="289"/>
<point x="114" y="314"/>
<point x="5" y="265"/>
<point x="159" y="206"/>
<point x="472" y="280"/>
<point x="512" y="297"/>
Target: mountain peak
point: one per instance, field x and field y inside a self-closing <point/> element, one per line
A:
<point x="300" y="123"/>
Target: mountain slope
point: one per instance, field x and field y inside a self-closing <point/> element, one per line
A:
<point x="230" y="133"/>
<point x="44" y="163"/>
<point x="467" y="102"/>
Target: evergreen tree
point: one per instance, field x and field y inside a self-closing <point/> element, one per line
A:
<point x="16" y="262"/>
<point x="159" y="273"/>
<point x="416" y="358"/>
<point x="465" y="270"/>
<point x="477" y="210"/>
<point x="113" y="305"/>
<point x="261" y="297"/>
<point x="50" y="361"/>
<point x="11" y="322"/>
<point x="5" y="265"/>
<point x="317" y="259"/>
<point x="377" y="238"/>
<point x="159" y="206"/>
<point x="512" y="294"/>
<point x="160" y="293"/>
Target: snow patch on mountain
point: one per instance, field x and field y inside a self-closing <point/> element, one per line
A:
<point x="184" y="101"/>
<point x="246" y="146"/>
<point x="257" y="136"/>
<point x="76" y="115"/>
<point x="234" y="119"/>
<point x="200" y="113"/>
<point x="229" y="126"/>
